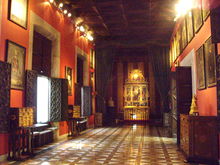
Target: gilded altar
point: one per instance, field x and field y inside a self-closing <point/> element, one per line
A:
<point x="136" y="97"/>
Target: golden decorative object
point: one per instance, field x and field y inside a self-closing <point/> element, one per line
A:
<point x="193" y="108"/>
<point x="136" y="97"/>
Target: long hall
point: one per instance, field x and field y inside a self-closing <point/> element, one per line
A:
<point x="128" y="144"/>
<point x="79" y="77"/>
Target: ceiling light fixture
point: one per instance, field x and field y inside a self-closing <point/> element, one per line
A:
<point x="51" y="1"/>
<point x="65" y="11"/>
<point x="69" y="14"/>
<point x="82" y="29"/>
<point x="183" y="7"/>
<point x="60" y="5"/>
<point x="90" y="37"/>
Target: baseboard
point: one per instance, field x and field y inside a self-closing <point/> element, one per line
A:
<point x="3" y="158"/>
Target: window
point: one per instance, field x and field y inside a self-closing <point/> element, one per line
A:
<point x="42" y="48"/>
<point x="43" y="97"/>
<point x="80" y="71"/>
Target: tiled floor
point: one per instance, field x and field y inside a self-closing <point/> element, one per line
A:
<point x="127" y="145"/>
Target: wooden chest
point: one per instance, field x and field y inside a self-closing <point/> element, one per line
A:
<point x="199" y="138"/>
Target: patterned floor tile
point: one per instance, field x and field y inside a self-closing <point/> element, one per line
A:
<point x="127" y="145"/>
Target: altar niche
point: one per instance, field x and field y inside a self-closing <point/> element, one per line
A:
<point x="136" y="97"/>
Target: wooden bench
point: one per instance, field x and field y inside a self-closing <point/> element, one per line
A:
<point x="76" y="125"/>
<point x="42" y="134"/>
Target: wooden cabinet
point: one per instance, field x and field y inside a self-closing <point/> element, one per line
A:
<point x="199" y="138"/>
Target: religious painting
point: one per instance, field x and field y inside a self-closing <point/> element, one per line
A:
<point x="189" y="26"/>
<point x="69" y="77"/>
<point x="18" y="12"/>
<point x="128" y="94"/>
<point x="184" y="34"/>
<point x="200" y="68"/>
<point x="179" y="32"/>
<point x="174" y="49"/>
<point x="16" y="57"/>
<point x="136" y="93"/>
<point x="205" y="9"/>
<point x="144" y="94"/>
<point x="197" y="16"/>
<point x="177" y="41"/>
<point x="210" y="63"/>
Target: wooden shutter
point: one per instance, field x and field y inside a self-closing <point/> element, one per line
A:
<point x="5" y="83"/>
<point x="86" y="108"/>
<point x="59" y="99"/>
<point x="31" y="92"/>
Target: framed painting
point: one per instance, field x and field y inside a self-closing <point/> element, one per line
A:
<point x="179" y="32"/>
<point x="197" y="16"/>
<point x="210" y="62"/>
<point x="189" y="26"/>
<point x="92" y="56"/>
<point x="18" y="12"/>
<point x="177" y="41"/>
<point x="184" y="35"/>
<point x="205" y="9"/>
<point x="69" y="77"/>
<point x="16" y="57"/>
<point x="200" y="68"/>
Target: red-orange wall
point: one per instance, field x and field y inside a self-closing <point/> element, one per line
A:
<point x="69" y="39"/>
<point x="207" y="98"/>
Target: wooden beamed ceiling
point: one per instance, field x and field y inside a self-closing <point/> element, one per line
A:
<point x="149" y="21"/>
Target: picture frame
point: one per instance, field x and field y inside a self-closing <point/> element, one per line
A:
<point x="197" y="17"/>
<point x="189" y="26"/>
<point x="18" y="12"/>
<point x="69" y="77"/>
<point x="210" y="62"/>
<point x="205" y="9"/>
<point x="178" y="44"/>
<point x="200" y="68"/>
<point x="180" y="38"/>
<point x="184" y="35"/>
<point x="16" y="57"/>
<point x="92" y="58"/>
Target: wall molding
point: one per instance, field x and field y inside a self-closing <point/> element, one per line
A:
<point x="42" y="27"/>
